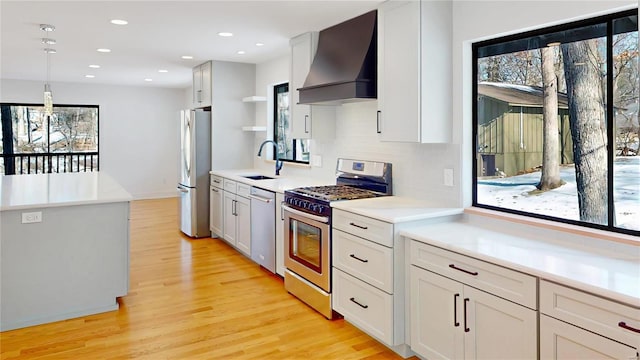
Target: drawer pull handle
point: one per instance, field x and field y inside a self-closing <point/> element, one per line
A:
<point x="358" y="226"/>
<point x="353" y="300"/>
<point x="474" y="273"/>
<point x="357" y="258"/>
<point x="456" y="323"/>
<point x="466" y="329"/>
<point x="624" y="325"/>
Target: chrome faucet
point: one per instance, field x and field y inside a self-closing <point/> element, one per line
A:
<point x="275" y="148"/>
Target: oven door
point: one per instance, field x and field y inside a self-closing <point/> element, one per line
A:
<point x="307" y="246"/>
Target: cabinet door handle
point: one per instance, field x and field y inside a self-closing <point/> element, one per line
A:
<point x="466" y="329"/>
<point x="624" y="325"/>
<point x="214" y="189"/>
<point x="456" y="323"/>
<point x="353" y="300"/>
<point x="234" y="209"/>
<point x="199" y="96"/>
<point x="474" y="273"/>
<point x="378" y="122"/>
<point x="359" y="259"/>
<point x="358" y="226"/>
<point x="306" y="117"/>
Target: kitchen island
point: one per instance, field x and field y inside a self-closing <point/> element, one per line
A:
<point x="64" y="246"/>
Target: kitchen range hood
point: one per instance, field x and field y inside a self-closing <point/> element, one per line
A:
<point x="345" y="66"/>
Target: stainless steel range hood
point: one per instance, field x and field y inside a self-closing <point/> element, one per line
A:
<point x="345" y="66"/>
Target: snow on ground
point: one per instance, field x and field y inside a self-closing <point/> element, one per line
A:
<point x="513" y="193"/>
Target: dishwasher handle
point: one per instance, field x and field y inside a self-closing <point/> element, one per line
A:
<point x="260" y="198"/>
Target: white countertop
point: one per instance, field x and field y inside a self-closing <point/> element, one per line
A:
<point x="608" y="269"/>
<point x="49" y="190"/>
<point x="394" y="209"/>
<point x="277" y="184"/>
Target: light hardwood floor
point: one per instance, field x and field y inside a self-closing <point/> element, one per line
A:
<point x="192" y="299"/>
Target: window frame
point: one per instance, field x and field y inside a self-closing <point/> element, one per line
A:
<point x="607" y="19"/>
<point x="49" y="153"/>
<point x="275" y="125"/>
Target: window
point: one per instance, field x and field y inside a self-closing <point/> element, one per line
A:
<point x="291" y="150"/>
<point x="67" y="141"/>
<point x="556" y="123"/>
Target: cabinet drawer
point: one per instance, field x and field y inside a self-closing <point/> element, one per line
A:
<point x="505" y="283"/>
<point x="559" y="340"/>
<point x="590" y="312"/>
<point x="230" y="186"/>
<point x="243" y="189"/>
<point x="216" y="181"/>
<point x="363" y="305"/>
<point x="368" y="261"/>
<point x="365" y="227"/>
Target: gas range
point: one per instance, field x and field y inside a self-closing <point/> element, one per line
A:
<point x="317" y="199"/>
<point x="307" y="218"/>
<point x="355" y="180"/>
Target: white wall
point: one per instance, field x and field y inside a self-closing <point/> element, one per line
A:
<point x="481" y="20"/>
<point x="138" y="129"/>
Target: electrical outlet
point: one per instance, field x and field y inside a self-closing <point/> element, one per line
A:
<point x="448" y="177"/>
<point x="32" y="217"/>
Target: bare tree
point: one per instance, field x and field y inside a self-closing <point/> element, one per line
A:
<point x="587" y="119"/>
<point x="550" y="178"/>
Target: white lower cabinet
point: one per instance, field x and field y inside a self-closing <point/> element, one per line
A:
<point x="578" y="325"/>
<point x="559" y="340"/>
<point x="216" y="210"/>
<point x="363" y="305"/>
<point x="237" y="217"/>
<point x="243" y="217"/>
<point x="451" y="320"/>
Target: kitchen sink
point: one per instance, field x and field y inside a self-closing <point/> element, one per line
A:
<point x="257" y="177"/>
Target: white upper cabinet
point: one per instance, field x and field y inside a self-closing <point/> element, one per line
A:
<point x="303" y="49"/>
<point x="414" y="71"/>
<point x="202" y="85"/>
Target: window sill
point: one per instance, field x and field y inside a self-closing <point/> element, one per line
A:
<point x="552" y="225"/>
<point x="287" y="164"/>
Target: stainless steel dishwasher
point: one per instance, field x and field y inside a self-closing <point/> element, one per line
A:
<point x="263" y="228"/>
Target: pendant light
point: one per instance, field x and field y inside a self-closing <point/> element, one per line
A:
<point x="48" y="96"/>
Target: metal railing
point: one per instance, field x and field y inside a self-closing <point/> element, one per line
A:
<point x="40" y="163"/>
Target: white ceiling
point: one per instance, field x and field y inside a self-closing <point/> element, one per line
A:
<point x="158" y="34"/>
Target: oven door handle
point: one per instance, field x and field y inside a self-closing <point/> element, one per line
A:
<point x="322" y="219"/>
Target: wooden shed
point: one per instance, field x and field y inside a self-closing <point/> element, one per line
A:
<point x="510" y="128"/>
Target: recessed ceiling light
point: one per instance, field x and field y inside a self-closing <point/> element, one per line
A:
<point x="119" y="22"/>
<point x="241" y="52"/>
<point x="102" y="50"/>
<point x="48" y="41"/>
<point x="187" y="57"/>
<point x="163" y="71"/>
<point x="148" y="79"/>
<point x="225" y="34"/>
<point x="94" y="66"/>
<point x="50" y="51"/>
<point x="259" y="44"/>
<point x="89" y="76"/>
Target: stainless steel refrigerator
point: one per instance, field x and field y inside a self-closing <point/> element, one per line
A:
<point x="195" y="162"/>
